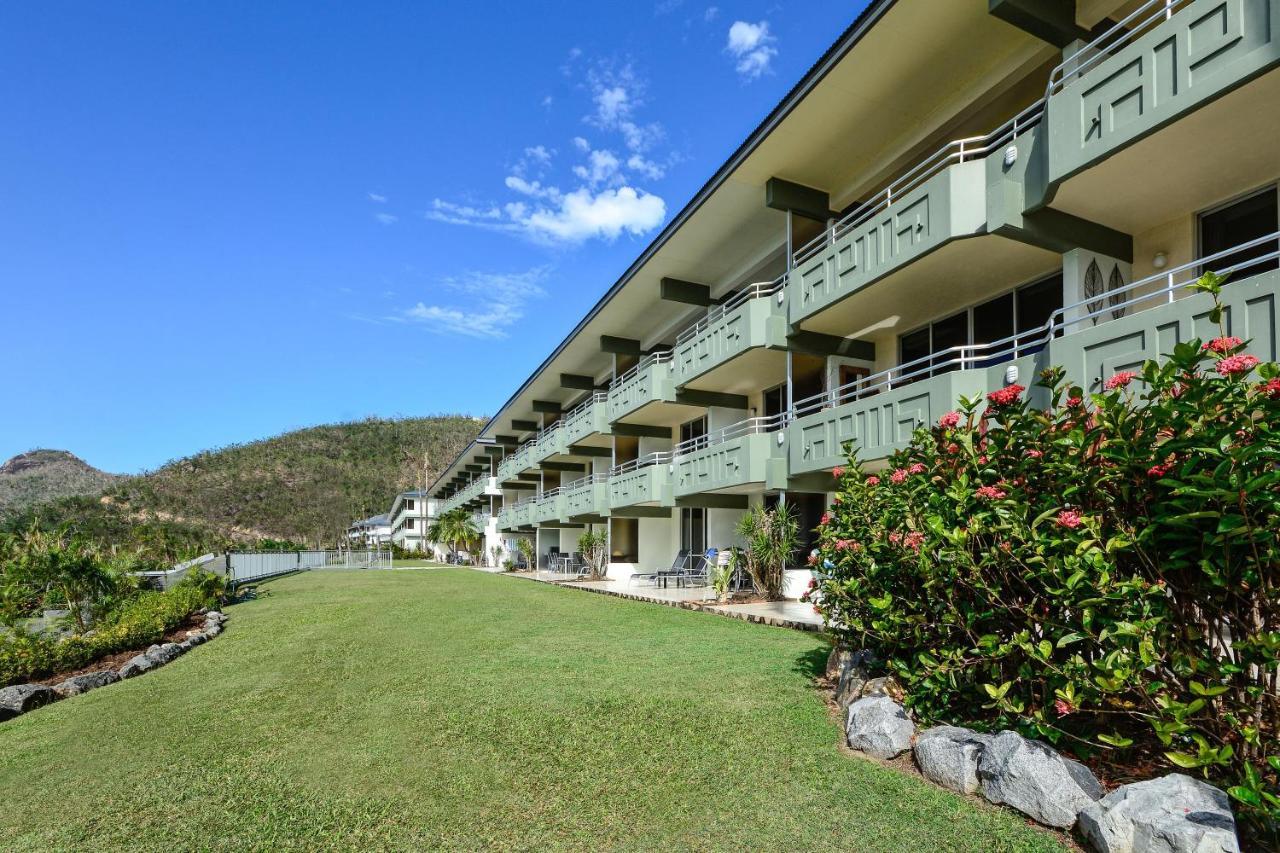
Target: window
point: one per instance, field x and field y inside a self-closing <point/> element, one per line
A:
<point x="1239" y="222"/>
<point x="694" y="429"/>
<point x="935" y="349"/>
<point x="408" y="504"/>
<point x="408" y="524"/>
<point x="693" y="529"/>
<point x="774" y="400"/>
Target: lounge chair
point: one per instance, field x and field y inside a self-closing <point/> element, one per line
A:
<point x="695" y="574"/>
<point x="677" y="565"/>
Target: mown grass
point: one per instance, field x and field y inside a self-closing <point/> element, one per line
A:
<point x="453" y="708"/>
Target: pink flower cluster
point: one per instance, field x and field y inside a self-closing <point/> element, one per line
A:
<point x="848" y="545"/>
<point x="949" y="420"/>
<point x="1073" y="402"/>
<point x="873" y="480"/>
<point x="1236" y="364"/>
<point x="913" y="540"/>
<point x="1271" y="388"/>
<point x="916" y="468"/>
<point x="1159" y="470"/>
<point x="1035" y="454"/>
<point x="1120" y="380"/>
<point x="898" y="476"/>
<point x="837" y="472"/>
<point x="1006" y="395"/>
<point x="1070" y="519"/>
<point x="1223" y="345"/>
<point x="825" y="520"/>
<point x="991" y="493"/>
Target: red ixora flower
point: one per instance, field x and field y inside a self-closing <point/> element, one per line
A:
<point x="913" y="540"/>
<point x="1069" y="519"/>
<point x="1236" y="364"/>
<point x="1035" y="454"/>
<point x="916" y="468"/>
<point x="825" y="520"/>
<point x="898" y="475"/>
<point x="837" y="472"/>
<point x="895" y="538"/>
<point x="1223" y="345"/>
<point x="949" y="420"/>
<point x="1270" y="388"/>
<point x="1075" y="401"/>
<point x="953" y="448"/>
<point x="873" y="480"/>
<point x="1120" y="380"/>
<point x="813" y="559"/>
<point x="1006" y="395"/>
<point x="1158" y="471"/>
<point x="848" y="545"/>
<point x="991" y="493"/>
<point x="1063" y="707"/>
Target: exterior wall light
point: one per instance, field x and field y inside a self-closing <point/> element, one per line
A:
<point x="1160" y="261"/>
<point x="1010" y="156"/>
<point x="1011" y="374"/>
<point x="781" y="437"/>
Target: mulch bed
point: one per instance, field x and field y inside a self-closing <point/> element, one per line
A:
<point x="118" y="659"/>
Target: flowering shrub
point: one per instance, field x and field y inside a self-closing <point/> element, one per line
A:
<point x="1103" y="574"/>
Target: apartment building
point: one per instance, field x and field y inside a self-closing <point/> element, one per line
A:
<point x="412" y="513"/>
<point x="956" y="196"/>
<point x="372" y="532"/>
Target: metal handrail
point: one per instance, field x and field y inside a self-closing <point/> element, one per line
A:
<point x="584" y="482"/>
<point x="1032" y="340"/>
<point x="548" y="433"/>
<point x="736" y="300"/>
<point x="659" y="457"/>
<point x="583" y="408"/>
<point x="660" y="357"/>
<point x="1147" y="16"/>
<point x="957" y="151"/>
<point x="747" y="426"/>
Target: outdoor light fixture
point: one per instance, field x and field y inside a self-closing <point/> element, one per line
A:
<point x="1010" y="156"/>
<point x="1011" y="374"/>
<point x="1160" y="261"/>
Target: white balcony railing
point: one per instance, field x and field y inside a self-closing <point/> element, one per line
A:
<point x="1161" y="289"/>
<point x="958" y="151"/>
<point x="661" y="357"/>
<point x="584" y="482"/>
<point x="1137" y="23"/>
<point x="759" y="290"/>
<point x="747" y="426"/>
<point x="660" y="457"/>
<point x="583" y="409"/>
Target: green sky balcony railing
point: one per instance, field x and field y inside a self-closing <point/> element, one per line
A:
<point x="940" y="199"/>
<point x="586" y="497"/>
<point x="641" y="482"/>
<point x="649" y="381"/>
<point x="504" y="519"/>
<point x="1091" y="340"/>
<point x="751" y="451"/>
<point x="522" y="460"/>
<point x="755" y="316"/>
<point x="549" y="442"/>
<point x="549" y="507"/>
<point x="590" y="417"/>
<point x="1161" y="62"/>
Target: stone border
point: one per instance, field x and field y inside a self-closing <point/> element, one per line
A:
<point x="1172" y="813"/>
<point x="20" y="699"/>
<point x="712" y="607"/>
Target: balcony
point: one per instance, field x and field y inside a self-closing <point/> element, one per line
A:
<point x="643" y="482"/>
<point x="517" y="515"/>
<point x="750" y="452"/>
<point x="1163" y="61"/>
<point x="549" y="442"/>
<point x="939" y="200"/>
<point x="1090" y="340"/>
<point x="548" y="508"/>
<point x="648" y="382"/>
<point x="587" y="499"/>
<point x="591" y="417"/>
<point x="752" y="318"/>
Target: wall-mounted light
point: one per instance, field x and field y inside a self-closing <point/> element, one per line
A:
<point x="1011" y="374"/>
<point x="1010" y="156"/>
<point x="1160" y="261"/>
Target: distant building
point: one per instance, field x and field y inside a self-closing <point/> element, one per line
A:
<point x="373" y="532"/>
<point x="412" y="513"/>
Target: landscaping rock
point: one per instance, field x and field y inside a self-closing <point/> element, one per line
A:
<point x="197" y="637"/>
<point x="949" y="756"/>
<point x="879" y="726"/>
<point x="215" y="616"/>
<point x="1033" y="778"/>
<point x="211" y="631"/>
<point x="77" y="684"/>
<point x="163" y="653"/>
<point x="854" y="676"/>
<point x="137" y="666"/>
<point x="1172" y="814"/>
<point x="21" y="698"/>
<point x="837" y="661"/>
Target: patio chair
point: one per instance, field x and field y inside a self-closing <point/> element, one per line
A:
<point x="677" y="565"/>
<point x="695" y="574"/>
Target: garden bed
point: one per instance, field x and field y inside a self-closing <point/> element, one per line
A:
<point x="115" y="660"/>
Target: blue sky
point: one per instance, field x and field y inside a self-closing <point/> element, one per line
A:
<point x="222" y="221"/>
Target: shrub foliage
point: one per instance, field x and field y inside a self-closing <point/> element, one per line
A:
<point x="1099" y="570"/>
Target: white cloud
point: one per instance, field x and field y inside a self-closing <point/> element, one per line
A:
<point x="491" y="304"/>
<point x="602" y="167"/>
<point x="711" y="13"/>
<point x="379" y="199"/>
<point x="648" y="168"/>
<point x="752" y="46"/>
<point x="386" y="218"/>
<point x="581" y="144"/>
<point x="538" y="154"/>
<point x="582" y="215"/>
<point x="530" y="188"/>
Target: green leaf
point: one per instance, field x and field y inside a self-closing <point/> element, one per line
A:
<point x="1183" y="760"/>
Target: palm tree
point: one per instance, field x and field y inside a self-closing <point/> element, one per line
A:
<point x="455" y="529"/>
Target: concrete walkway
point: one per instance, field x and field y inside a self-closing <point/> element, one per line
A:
<point x="783" y="614"/>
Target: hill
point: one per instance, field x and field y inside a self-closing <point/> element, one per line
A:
<point x="305" y="486"/>
<point x="45" y="475"/>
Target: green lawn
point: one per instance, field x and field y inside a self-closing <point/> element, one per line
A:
<point x="455" y="708"/>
